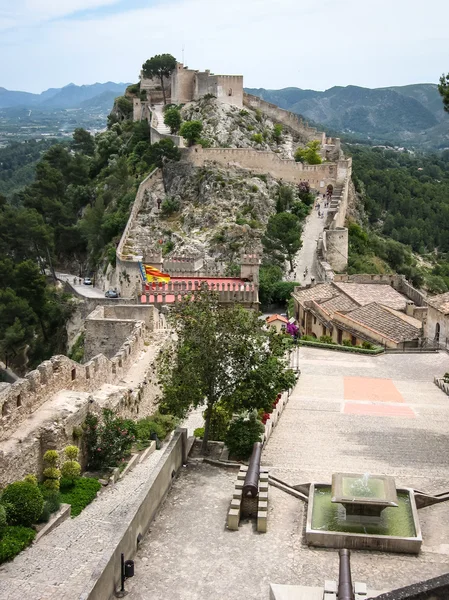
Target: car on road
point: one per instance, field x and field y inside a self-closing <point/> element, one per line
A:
<point x="111" y="294"/>
<point x="87" y="281"/>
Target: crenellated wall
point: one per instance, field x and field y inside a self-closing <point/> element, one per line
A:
<point x="318" y="176"/>
<point x="21" y="399"/>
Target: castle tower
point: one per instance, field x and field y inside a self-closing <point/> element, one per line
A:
<point x="249" y="267"/>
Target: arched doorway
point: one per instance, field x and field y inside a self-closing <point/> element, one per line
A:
<point x="437" y="332"/>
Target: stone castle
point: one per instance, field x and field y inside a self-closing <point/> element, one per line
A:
<point x="122" y="336"/>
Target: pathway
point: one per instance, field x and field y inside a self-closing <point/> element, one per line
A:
<point x="88" y="291"/>
<point x="306" y="257"/>
<point x="158" y="110"/>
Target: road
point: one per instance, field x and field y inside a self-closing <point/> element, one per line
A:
<point x="88" y="291"/>
<point x="306" y="257"/>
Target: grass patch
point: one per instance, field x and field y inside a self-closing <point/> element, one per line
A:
<point x="79" y="494"/>
<point x="13" y="540"/>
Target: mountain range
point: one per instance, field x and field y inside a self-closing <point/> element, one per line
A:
<point x="409" y="115"/>
<point x="97" y="95"/>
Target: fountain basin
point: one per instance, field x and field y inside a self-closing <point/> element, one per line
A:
<point x="398" y="529"/>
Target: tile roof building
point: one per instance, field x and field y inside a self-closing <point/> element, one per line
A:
<point x="359" y="312"/>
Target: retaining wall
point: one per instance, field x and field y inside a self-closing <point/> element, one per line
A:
<point x="431" y="589"/>
<point x="105" y="579"/>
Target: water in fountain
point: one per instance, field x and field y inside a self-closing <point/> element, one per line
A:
<point x="363" y="487"/>
<point x="330" y="516"/>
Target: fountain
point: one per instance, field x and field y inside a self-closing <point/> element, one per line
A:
<point x="363" y="512"/>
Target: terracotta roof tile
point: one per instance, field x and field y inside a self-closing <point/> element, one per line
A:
<point x="440" y="302"/>
<point x="365" y="293"/>
<point x="277" y="318"/>
<point x="387" y="323"/>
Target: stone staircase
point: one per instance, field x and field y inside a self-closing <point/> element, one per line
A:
<point x="158" y="120"/>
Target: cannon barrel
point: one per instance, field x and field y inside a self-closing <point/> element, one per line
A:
<point x="251" y="483"/>
<point x="345" y="589"/>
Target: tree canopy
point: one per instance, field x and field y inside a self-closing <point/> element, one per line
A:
<point x="191" y="131"/>
<point x="282" y="238"/>
<point x="443" y="88"/>
<point x="220" y="355"/>
<point x="159" y="66"/>
<point x="173" y="119"/>
<point x="309" y="154"/>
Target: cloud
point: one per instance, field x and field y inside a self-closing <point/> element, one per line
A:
<point x="29" y="12"/>
<point x="273" y="44"/>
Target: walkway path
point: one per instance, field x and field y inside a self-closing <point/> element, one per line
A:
<point x="88" y="291"/>
<point x="159" y="114"/>
<point x="306" y="257"/>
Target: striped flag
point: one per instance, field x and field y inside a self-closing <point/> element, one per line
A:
<point x="151" y="274"/>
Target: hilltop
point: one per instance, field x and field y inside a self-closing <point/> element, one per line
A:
<point x="412" y="115"/>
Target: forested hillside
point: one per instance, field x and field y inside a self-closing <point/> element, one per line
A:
<point x="405" y="199"/>
<point x="71" y="217"/>
<point x="18" y="162"/>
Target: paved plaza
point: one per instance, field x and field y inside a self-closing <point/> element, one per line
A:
<point x="351" y="413"/>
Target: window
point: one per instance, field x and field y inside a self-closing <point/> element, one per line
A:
<point x="339" y="336"/>
<point x="324" y="330"/>
<point x="353" y="340"/>
<point x="437" y="332"/>
<point x="19" y="401"/>
<point x="230" y="92"/>
<point x="73" y="374"/>
<point x="87" y="373"/>
<point x="314" y="320"/>
<point x="4" y="410"/>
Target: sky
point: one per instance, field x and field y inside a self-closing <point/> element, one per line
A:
<point x="312" y="44"/>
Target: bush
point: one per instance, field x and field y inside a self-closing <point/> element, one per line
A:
<point x="173" y="119"/>
<point x="219" y="423"/>
<point x="109" y="442"/>
<point x="71" y="452"/>
<point x="145" y="427"/>
<point x="326" y="339"/>
<point x="258" y="138"/>
<point x="204" y="143"/>
<point x="52" y="500"/>
<point x="71" y="469"/>
<point x="345" y="343"/>
<point x="367" y="345"/>
<point x="14" y="540"/>
<point x="79" y="494"/>
<point x="24" y="503"/>
<point x="168" y="422"/>
<point x="51" y="473"/>
<point x="277" y="133"/>
<point x="199" y="432"/>
<point x="191" y="131"/>
<point x="242" y="433"/>
<point x="31" y="479"/>
<point x="3" y="521"/>
<point x="170" y="206"/>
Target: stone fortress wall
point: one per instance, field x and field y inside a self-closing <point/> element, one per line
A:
<point x="43" y="410"/>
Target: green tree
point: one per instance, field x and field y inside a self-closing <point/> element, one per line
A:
<point x="191" y="131"/>
<point x="160" y="66"/>
<point x="309" y="154"/>
<point x="282" y="238"/>
<point x="173" y="119"/>
<point x="162" y="151"/>
<point x="443" y="88"/>
<point x="83" y="142"/>
<point x="220" y="355"/>
<point x="277" y="133"/>
<point x="284" y="198"/>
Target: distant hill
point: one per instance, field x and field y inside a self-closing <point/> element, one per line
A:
<point x="70" y="96"/>
<point x="411" y="115"/>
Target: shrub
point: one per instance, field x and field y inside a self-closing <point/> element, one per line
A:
<point x="258" y="138"/>
<point x="199" y="432"/>
<point x="52" y="500"/>
<point x="326" y="339"/>
<point x="14" y="540"/>
<point x="367" y="345"/>
<point x="345" y="343"/>
<point x="191" y="131"/>
<point x="3" y="521"/>
<point x="170" y="206"/>
<point x="109" y="442"/>
<point x="173" y="119"/>
<point x="243" y="113"/>
<point x="71" y="468"/>
<point x="51" y="473"/>
<point x="277" y="133"/>
<point x="205" y="143"/>
<point x="31" y="479"/>
<point x="219" y="422"/>
<point x="168" y="422"/>
<point x="258" y="115"/>
<point x="242" y="433"/>
<point x="308" y="338"/>
<point x="145" y="427"/>
<point x="79" y="494"/>
<point x="24" y="503"/>
<point x="71" y="452"/>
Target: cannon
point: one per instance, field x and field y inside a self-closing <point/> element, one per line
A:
<point x="251" y="483"/>
<point x="345" y="589"/>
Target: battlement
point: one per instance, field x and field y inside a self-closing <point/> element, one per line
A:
<point x="25" y="396"/>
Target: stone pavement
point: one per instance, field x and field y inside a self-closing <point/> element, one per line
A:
<point x="306" y="256"/>
<point x="189" y="554"/>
